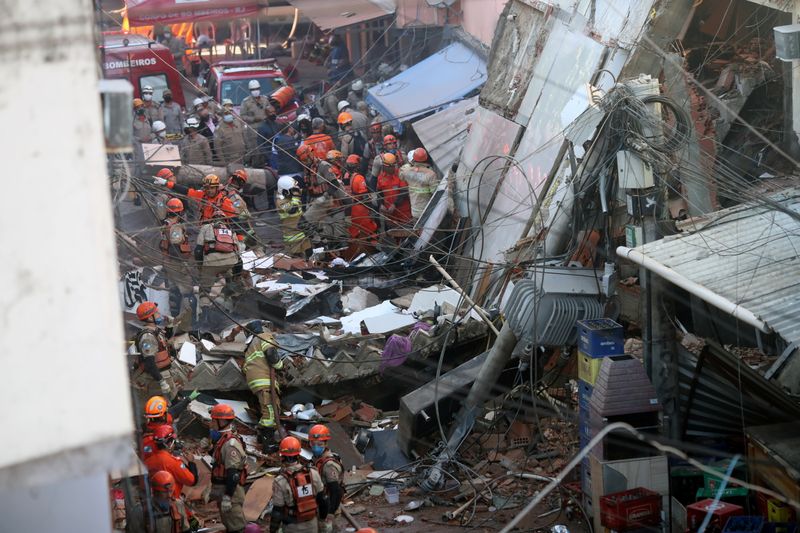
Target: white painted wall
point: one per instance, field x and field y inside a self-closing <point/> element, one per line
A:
<point x="65" y="392"/>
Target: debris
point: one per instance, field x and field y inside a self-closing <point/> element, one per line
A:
<point x="413" y="505"/>
<point x="376" y="490"/>
<point x="367" y="413"/>
<point x="403" y="519"/>
<point x="358" y="299"/>
<point x="356" y="509"/>
<point x="340" y="441"/>
<point x="188" y="353"/>
<point x="382" y="318"/>
<point x="392" y="494"/>
<point x="257" y="498"/>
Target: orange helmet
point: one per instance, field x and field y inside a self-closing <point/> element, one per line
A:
<point x="241" y="174"/>
<point x="367" y="530"/>
<point x="146" y="310"/>
<point x="166" y="174"/>
<point x="137" y="103"/>
<point x="304" y="152"/>
<point x="420" y="155"/>
<point x="353" y="159"/>
<point x="174" y="205"/>
<point x="289" y="447"/>
<point x="389" y="159"/>
<point x="211" y="180"/>
<point x="222" y="411"/>
<point x="333" y="155"/>
<point x="156" y="407"/>
<point x="319" y="432"/>
<point x="389" y="139"/>
<point x="375" y="127"/>
<point x="163" y="434"/>
<point x="162" y="481"/>
<point x="344" y="118"/>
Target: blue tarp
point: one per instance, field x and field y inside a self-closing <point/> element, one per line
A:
<point x="446" y="76"/>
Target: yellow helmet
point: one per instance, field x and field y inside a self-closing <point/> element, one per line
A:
<point x="211" y="180"/>
<point x="333" y="155"/>
<point x="137" y="103"/>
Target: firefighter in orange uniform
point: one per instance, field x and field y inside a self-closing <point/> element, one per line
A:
<point x="313" y="185"/>
<point x="362" y="228"/>
<point x="298" y="495"/>
<point x="170" y="511"/>
<point x="212" y="196"/>
<point x="393" y="193"/>
<point x="165" y="457"/>
<point x="330" y="468"/>
<point x="152" y="373"/>
<point x="228" y="474"/>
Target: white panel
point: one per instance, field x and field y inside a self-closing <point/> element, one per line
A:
<point x="66" y="382"/>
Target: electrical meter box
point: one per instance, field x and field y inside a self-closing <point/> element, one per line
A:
<point x="787" y="42"/>
<point x="633" y="172"/>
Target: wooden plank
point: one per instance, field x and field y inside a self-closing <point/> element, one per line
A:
<point x="257" y="498"/>
<point x="341" y="444"/>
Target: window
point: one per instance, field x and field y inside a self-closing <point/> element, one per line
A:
<point x="158" y="82"/>
<point x="237" y="90"/>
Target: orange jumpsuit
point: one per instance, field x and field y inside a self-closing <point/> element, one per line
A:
<point x="362" y="226"/>
<point x="390" y="186"/>
<point x="208" y="206"/>
<point x="164" y="460"/>
<point x="321" y="143"/>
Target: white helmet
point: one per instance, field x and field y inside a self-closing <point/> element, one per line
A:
<point x="342" y="105"/>
<point x="191" y="122"/>
<point x="206" y="99"/>
<point x="286" y="184"/>
<point x="197" y="101"/>
<point x="304" y="116"/>
<point x="227" y="101"/>
<point x="147" y="89"/>
<point x="357" y="85"/>
<point x="158" y="127"/>
<point x="410" y="157"/>
<point x="253" y="84"/>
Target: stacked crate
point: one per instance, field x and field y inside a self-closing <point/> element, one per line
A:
<point x="597" y="339"/>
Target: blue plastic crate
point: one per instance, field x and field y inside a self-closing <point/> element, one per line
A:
<point x="779" y="527"/>
<point x="584" y="394"/>
<point x="600" y="337"/>
<point x="744" y="524"/>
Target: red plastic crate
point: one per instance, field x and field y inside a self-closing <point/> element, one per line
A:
<point x="720" y="512"/>
<point x="630" y="509"/>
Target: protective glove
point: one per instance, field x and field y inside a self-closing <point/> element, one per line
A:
<point x="165" y="390"/>
<point x="225" y="505"/>
<point x="159" y="181"/>
<point x="194" y="523"/>
<point x="194" y="394"/>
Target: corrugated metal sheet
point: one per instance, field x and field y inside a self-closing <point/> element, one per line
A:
<point x="329" y="15"/>
<point x="749" y="255"/>
<point x="443" y="133"/>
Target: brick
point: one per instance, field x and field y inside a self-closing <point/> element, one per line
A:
<point x="367" y="413"/>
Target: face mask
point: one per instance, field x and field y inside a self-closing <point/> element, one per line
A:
<point x="147" y="97"/>
<point x="167" y="97"/>
<point x="140" y="112"/>
<point x="227" y="118"/>
<point x="158" y="320"/>
<point x="161" y="134"/>
<point x="214" y="434"/>
<point x="167" y="35"/>
<point x="163" y="505"/>
<point x="317" y="450"/>
<point x="255" y="92"/>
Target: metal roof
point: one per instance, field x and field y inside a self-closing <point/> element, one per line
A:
<point x="748" y="255"/>
<point x="444" y="133"/>
<point x="329" y="15"/>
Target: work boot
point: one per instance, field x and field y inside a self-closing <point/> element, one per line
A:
<point x="266" y="437"/>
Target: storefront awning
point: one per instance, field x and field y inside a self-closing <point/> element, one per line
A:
<point x="448" y="75"/>
<point x="151" y="12"/>
<point x="329" y="15"/>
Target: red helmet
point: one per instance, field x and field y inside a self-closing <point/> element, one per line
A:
<point x="375" y="127"/>
<point x="420" y="155"/>
<point x="156" y="407"/>
<point x="319" y="432"/>
<point x="164" y="434"/>
<point x="174" y="205"/>
<point x="166" y="174"/>
<point x="353" y="159"/>
<point x="162" y="481"/>
<point x="241" y="174"/>
<point x="289" y="447"/>
<point x="222" y="411"/>
<point x="389" y="139"/>
<point x="304" y="152"/>
<point x="146" y="310"/>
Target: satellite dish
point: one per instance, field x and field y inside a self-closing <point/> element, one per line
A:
<point x="440" y="3"/>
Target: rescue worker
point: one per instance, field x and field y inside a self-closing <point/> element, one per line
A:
<point x="362" y="228"/>
<point x="327" y="213"/>
<point x="303" y="125"/>
<point x="422" y="181"/>
<point x="160" y="132"/>
<point x="212" y="197"/>
<point x="142" y="130"/>
<point x="228" y="473"/>
<point x="176" y="251"/>
<point x="373" y="148"/>
<point x="166" y="457"/>
<point x="319" y="141"/>
<point x="390" y="146"/>
<point x="206" y="124"/>
<point x="170" y="514"/>
<point x="173" y="113"/>
<point x="313" y="185"/>
<point x="260" y="363"/>
<point x="177" y="47"/>
<point x="266" y="133"/>
<point x="151" y="108"/>
<point x="242" y="219"/>
<point x="298" y="494"/>
<point x="229" y="143"/>
<point x="157" y="413"/>
<point x="286" y="143"/>
<point x="338" y="61"/>
<point x="360" y="120"/>
<point x="194" y="148"/>
<point x="254" y="111"/>
<point x="356" y="93"/>
<point x="351" y="140"/>
<point x="290" y="211"/>
<point x="152" y="375"/>
<point x="330" y="469"/>
<point x="217" y="251"/>
<point x="392" y="193"/>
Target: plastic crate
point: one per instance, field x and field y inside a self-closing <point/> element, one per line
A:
<point x="720" y="513"/>
<point x="630" y="509"/>
<point x="600" y="337"/>
<point x="584" y="395"/>
<point x="737" y="495"/>
<point x="588" y="368"/>
<point x="779" y="527"/>
<point x="744" y="524"/>
<point x="777" y="511"/>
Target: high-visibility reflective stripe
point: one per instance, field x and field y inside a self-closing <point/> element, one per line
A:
<point x="294" y="237"/>
<point x="421" y="190"/>
<point x="259" y="383"/>
<point x="267" y="418"/>
<point x="253" y="356"/>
